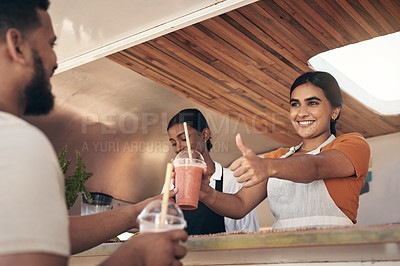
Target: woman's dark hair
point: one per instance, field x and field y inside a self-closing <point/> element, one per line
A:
<point x="21" y="15"/>
<point x="328" y="84"/>
<point x="193" y="118"/>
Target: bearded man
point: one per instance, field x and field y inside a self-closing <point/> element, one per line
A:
<point x="34" y="226"/>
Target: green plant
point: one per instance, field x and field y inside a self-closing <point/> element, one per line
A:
<point x="74" y="183"/>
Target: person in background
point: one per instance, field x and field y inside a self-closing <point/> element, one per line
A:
<point x="203" y="220"/>
<point x="314" y="184"/>
<point x="34" y="226"/>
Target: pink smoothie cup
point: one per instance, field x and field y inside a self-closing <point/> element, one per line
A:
<point x="188" y="175"/>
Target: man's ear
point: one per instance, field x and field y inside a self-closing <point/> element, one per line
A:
<point x="15" y="46"/>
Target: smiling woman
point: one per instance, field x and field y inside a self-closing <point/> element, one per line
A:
<point x="315" y="105"/>
<point x="314" y="184"/>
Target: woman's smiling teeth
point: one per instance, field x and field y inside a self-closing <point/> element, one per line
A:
<point x="305" y="123"/>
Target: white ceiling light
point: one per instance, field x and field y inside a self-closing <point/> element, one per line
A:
<point x="369" y="71"/>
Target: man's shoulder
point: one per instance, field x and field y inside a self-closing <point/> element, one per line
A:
<point x="21" y="133"/>
<point x="9" y="122"/>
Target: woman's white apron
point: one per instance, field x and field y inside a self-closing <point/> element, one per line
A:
<point x="299" y="205"/>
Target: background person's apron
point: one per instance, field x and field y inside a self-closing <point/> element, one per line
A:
<point x="203" y="220"/>
<point x="299" y="205"/>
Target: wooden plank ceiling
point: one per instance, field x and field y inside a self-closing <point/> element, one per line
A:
<point x="241" y="64"/>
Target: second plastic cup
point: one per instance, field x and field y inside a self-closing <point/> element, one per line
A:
<point x="151" y="220"/>
<point x="188" y="175"/>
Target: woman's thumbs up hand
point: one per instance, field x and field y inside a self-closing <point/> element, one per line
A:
<point x="243" y="148"/>
<point x="249" y="168"/>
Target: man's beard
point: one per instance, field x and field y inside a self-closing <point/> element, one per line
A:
<point x="39" y="99"/>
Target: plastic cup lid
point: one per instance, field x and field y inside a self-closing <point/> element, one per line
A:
<point x="184" y="158"/>
<point x="153" y="209"/>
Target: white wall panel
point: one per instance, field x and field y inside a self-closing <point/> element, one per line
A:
<point x="88" y="29"/>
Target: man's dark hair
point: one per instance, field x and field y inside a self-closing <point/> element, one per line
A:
<point x="21" y="15"/>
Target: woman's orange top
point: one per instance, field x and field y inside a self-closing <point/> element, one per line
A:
<point x="345" y="191"/>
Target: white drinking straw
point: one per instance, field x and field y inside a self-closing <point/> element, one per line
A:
<point x="164" y="206"/>
<point x="187" y="139"/>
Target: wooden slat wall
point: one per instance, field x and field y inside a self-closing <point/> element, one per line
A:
<point x="241" y="64"/>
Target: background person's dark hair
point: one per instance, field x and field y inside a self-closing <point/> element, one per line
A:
<point x="328" y="84"/>
<point x="193" y="118"/>
<point x="21" y="15"/>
